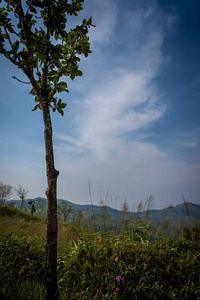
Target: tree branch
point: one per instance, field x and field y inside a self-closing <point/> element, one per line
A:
<point x="27" y="34"/>
<point x="21" y="80"/>
<point x="46" y="57"/>
<point x="11" y="45"/>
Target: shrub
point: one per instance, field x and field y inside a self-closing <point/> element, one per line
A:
<point x="104" y="266"/>
<point x="6" y="210"/>
<point x="21" y="259"/>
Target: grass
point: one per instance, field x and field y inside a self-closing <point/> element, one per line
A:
<point x="131" y="264"/>
<point x="104" y="266"/>
<point x="14" y="221"/>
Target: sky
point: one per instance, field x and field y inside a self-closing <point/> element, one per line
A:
<point x="131" y="128"/>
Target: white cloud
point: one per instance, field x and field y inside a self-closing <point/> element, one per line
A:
<point x="125" y="99"/>
<point x="110" y="112"/>
<point x="104" y="18"/>
<point x="121" y="104"/>
<point x="114" y="106"/>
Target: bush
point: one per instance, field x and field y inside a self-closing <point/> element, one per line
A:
<point x="6" y="210"/>
<point x="21" y="259"/>
<point x="107" y="267"/>
<point x="102" y="265"/>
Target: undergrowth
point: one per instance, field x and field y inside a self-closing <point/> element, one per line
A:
<point x="131" y="264"/>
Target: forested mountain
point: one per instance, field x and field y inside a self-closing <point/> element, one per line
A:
<point x="184" y="214"/>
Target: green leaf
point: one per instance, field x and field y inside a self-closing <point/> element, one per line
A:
<point x="36" y="107"/>
<point x="62" y="105"/>
<point x="60" y="111"/>
<point x="36" y="99"/>
<point x="61" y="86"/>
<point x="32" y="9"/>
<point x="31" y="92"/>
<point x="56" y="35"/>
<point x="16" y="45"/>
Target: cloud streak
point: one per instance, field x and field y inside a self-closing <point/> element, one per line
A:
<point x="108" y="134"/>
<point x="119" y="111"/>
<point x="127" y="99"/>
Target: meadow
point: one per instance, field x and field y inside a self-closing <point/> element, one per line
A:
<point x="132" y="263"/>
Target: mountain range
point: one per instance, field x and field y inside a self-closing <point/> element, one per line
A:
<point x="185" y="214"/>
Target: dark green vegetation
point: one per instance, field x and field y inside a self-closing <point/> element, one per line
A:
<point x="134" y="263"/>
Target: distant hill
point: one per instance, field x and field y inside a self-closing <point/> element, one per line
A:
<point x="169" y="218"/>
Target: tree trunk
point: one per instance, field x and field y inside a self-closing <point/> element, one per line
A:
<point x="51" y="193"/>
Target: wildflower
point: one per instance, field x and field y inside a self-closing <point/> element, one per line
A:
<point x="117" y="258"/>
<point x="118" y="278"/>
<point x="145" y="266"/>
<point x="173" y="280"/>
<point x="134" y="268"/>
<point x="117" y="289"/>
<point x="174" y="295"/>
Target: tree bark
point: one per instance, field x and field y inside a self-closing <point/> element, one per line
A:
<point x="51" y="193"/>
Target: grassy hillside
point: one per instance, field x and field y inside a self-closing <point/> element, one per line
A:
<point x="133" y="263"/>
<point x="15" y="222"/>
<point x="170" y="220"/>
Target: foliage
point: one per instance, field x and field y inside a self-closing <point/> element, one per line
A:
<point x="5" y="192"/>
<point x="104" y="266"/>
<point x="17" y="222"/>
<point x="41" y="47"/>
<point x="22" y="193"/>
<point x="64" y="209"/>
<point x="41" y="206"/>
<point x="21" y="258"/>
<point x="101" y="265"/>
<point x="33" y="37"/>
<point x="191" y="234"/>
<point x="31" y="206"/>
<point x="78" y="218"/>
<point x="6" y="210"/>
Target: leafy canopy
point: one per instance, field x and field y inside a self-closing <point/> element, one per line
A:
<point x="33" y="36"/>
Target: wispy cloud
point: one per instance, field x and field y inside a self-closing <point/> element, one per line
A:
<point x="120" y="107"/>
<point x="126" y="99"/>
<point x="104" y="18"/>
<point x="112" y="111"/>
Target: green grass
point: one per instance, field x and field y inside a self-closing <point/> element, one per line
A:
<point x="14" y="221"/>
<point x="104" y="266"/>
<point x="131" y="264"/>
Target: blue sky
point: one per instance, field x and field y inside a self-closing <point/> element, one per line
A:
<point x="131" y="125"/>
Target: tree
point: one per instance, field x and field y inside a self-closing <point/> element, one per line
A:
<point x="31" y="206"/>
<point x="40" y="206"/>
<point x="21" y="192"/>
<point x="40" y="46"/>
<point x="5" y="192"/>
<point x="78" y="218"/>
<point x="64" y="209"/>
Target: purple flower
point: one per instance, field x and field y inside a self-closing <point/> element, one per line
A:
<point x="117" y="258"/>
<point x="173" y="280"/>
<point x="118" y="278"/>
<point x="174" y="295"/>
<point x="145" y="266"/>
<point x="117" y="289"/>
<point x="134" y="268"/>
